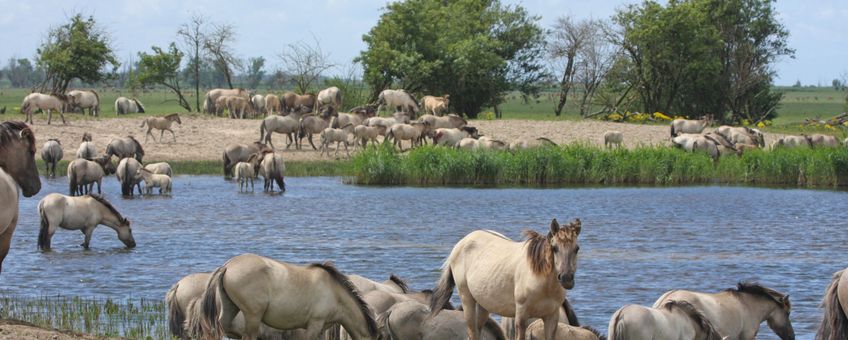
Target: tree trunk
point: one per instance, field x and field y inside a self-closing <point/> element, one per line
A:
<point x="565" y="84"/>
<point x="197" y="75"/>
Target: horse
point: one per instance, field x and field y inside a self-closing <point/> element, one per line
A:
<point x="80" y="213"/>
<point x="330" y="96"/>
<point x="51" y="154"/>
<point x="212" y="96"/>
<point x="272" y="104"/>
<point x="160" y="168"/>
<point x="737" y="313"/>
<point x="741" y="135"/>
<point x="125" y="105"/>
<point x="257" y="102"/>
<point x="411" y="132"/>
<point x="680" y="125"/>
<point x="238" y="106"/>
<point x="45" y="102"/>
<point x="524" y="143"/>
<point x="820" y="140"/>
<point x="338" y="136"/>
<point x="287" y="125"/>
<point x="235" y="153"/>
<point x="362" y="134"/>
<point x="311" y="124"/>
<point x="283" y="296"/>
<point x="365" y="285"/>
<point x="410" y="320"/>
<point x="293" y="102"/>
<point x="436" y="105"/>
<point x="399" y="100"/>
<point x="85" y="99"/>
<point x="17" y="170"/>
<point x="83" y="174"/>
<point x="125" y="147"/>
<point x="380" y="301"/>
<point x="87" y="150"/>
<point x="188" y="290"/>
<point x="162" y="124"/>
<point x="613" y="138"/>
<point x="126" y="174"/>
<point x="151" y="180"/>
<point x="566" y="316"/>
<point x="452" y="137"/>
<point x="272" y="168"/>
<point x="532" y="277"/>
<point x="673" y="320"/>
<point x="792" y="142"/>
<point x="564" y="332"/>
<point x="834" y="324"/>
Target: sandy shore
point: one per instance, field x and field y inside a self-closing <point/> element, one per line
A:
<point x="204" y="138"/>
<point x="19" y="330"/>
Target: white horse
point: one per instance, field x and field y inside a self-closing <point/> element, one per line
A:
<point x="398" y="100"/>
<point x="613" y="138"/>
<point x="679" y="125"/>
<point x="45" y="102"/>
<point x="258" y="103"/>
<point x="330" y="96"/>
<point x="160" y="168"/>
<point x="673" y="320"/>
<point x="151" y="180"/>
<point x="125" y="105"/>
<point x="85" y="99"/>
<point x="80" y="213"/>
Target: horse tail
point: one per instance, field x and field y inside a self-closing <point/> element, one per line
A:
<point x="117" y="107"/>
<point x="126" y="183"/>
<point x="44" y="231"/>
<point x="404" y="287"/>
<point x="96" y="105"/>
<point x="616" y="328"/>
<point x="210" y="105"/>
<point x="443" y="291"/>
<point x="384" y="327"/>
<point x="672" y="136"/>
<point x="262" y="130"/>
<point x="569" y="314"/>
<point x="139" y="107"/>
<point x="495" y="329"/>
<point x="176" y="316"/>
<point x="72" y="179"/>
<point x="226" y="163"/>
<point x="207" y="319"/>
<point x="278" y="175"/>
<point x="143" y="121"/>
<point x="834" y="324"/>
<point x="339" y="99"/>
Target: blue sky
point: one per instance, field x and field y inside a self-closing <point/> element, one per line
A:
<point x="265" y="27"/>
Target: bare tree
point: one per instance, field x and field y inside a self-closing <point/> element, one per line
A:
<point x="220" y="53"/>
<point x="566" y="40"/>
<point x="193" y="37"/>
<point x="305" y="63"/>
<point x="595" y="59"/>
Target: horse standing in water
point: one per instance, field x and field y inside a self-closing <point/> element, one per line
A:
<point x="834" y="325"/>
<point x="80" y="213"/>
<point x="514" y="279"/>
<point x="17" y="169"/>
<point x="673" y="320"/>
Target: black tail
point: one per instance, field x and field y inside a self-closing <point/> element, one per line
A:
<point x="495" y="329"/>
<point x="404" y="287"/>
<point x="126" y="181"/>
<point x="72" y="180"/>
<point x="44" y="231"/>
<point x="212" y="327"/>
<point x="226" y="166"/>
<point x="834" y="324"/>
<point x="176" y="315"/>
<point x="672" y="130"/>
<point x="278" y="174"/>
<point x="569" y="313"/>
<point x="443" y="291"/>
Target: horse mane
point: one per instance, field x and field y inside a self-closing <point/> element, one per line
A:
<point x="543" y="139"/>
<point x="834" y="323"/>
<point x="594" y="331"/>
<point x="172" y="115"/>
<point x="538" y="252"/>
<point x="108" y="205"/>
<point x="55" y="140"/>
<point x="404" y="287"/>
<point x="9" y="132"/>
<point x="139" y="149"/>
<point x="96" y="95"/>
<point x="140" y="106"/>
<point x="757" y="289"/>
<point x="86" y="137"/>
<point x="342" y="280"/>
<point x="696" y="316"/>
<point x="410" y="97"/>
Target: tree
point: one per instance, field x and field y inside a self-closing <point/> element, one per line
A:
<point x="193" y="37"/>
<point x="20" y="72"/>
<point x="596" y="60"/>
<point x="220" y="53"/>
<point x="305" y="63"/>
<point x="473" y="50"/>
<point x="566" y="41"/>
<point x="255" y="73"/>
<point x="80" y="50"/>
<point x="161" y="68"/>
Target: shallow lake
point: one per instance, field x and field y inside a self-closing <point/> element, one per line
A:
<point x="636" y="242"/>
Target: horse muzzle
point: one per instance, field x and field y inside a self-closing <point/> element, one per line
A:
<point x="566" y="280"/>
<point x="130" y="244"/>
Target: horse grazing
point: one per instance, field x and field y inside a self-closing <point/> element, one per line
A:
<point x="272" y="104"/>
<point x="273" y="169"/>
<point x="293" y="102"/>
<point x="834" y="324"/>
<point x="162" y="124"/>
<point x="613" y="138"/>
<point x="125" y="147"/>
<point x="330" y="96"/>
<point x="124" y="105"/>
<point x="532" y="277"/>
<point x="737" y="313"/>
<point x="287" y="125"/>
<point x="410" y="320"/>
<point x="160" y="168"/>
<point x="210" y="102"/>
<point x="151" y="180"/>
<point x="820" y="140"/>
<point x="85" y="99"/>
<point x="680" y="125"/>
<point x="83" y="174"/>
<point x="524" y="143"/>
<point x="283" y="296"/>
<point x="45" y="102"/>
<point x="17" y="169"/>
<point x="399" y="100"/>
<point x="80" y="213"/>
<point x="673" y="320"/>
<point x="792" y="142"/>
<point x="126" y="174"/>
<point x="235" y="153"/>
<point x="365" y="285"/>
<point x="87" y="150"/>
<point x="741" y="135"/>
<point x="436" y="105"/>
<point x="51" y="154"/>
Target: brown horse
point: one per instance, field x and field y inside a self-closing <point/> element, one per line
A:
<point x="303" y="103"/>
<point x="17" y="169"/>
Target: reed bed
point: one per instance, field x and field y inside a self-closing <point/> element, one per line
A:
<point x="579" y="164"/>
<point x="131" y="318"/>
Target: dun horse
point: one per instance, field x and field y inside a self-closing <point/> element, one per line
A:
<point x="125" y="105"/>
<point x="834" y="324"/>
<point x="125" y="147"/>
<point x="161" y="123"/>
<point x="673" y="320"/>
<point x="126" y="174"/>
<point x="17" y="169"/>
<point x="80" y="213"/>
<point x="45" y="102"/>
<point x="51" y="154"/>
<point x="235" y="153"/>
<point x="532" y="277"/>
<point x="399" y="100"/>
<point x="283" y="296"/>
<point x="85" y="99"/>
<point x="83" y="174"/>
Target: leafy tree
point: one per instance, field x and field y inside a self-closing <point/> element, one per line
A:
<point x="255" y="73"/>
<point x="21" y="72"/>
<point x="473" y="50"/>
<point x="80" y="50"/>
<point x="161" y="68"/>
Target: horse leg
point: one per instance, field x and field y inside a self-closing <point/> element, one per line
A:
<point x="346" y="150"/>
<point x="521" y="323"/>
<point x="87" y="231"/>
<point x="313" y="329"/>
<point x="469" y="311"/>
<point x="551" y="323"/>
<point x="49" y="116"/>
<point x="172" y="135"/>
<point x="162" y="134"/>
<point x="6" y="240"/>
<point x="310" y="142"/>
<point x="62" y="114"/>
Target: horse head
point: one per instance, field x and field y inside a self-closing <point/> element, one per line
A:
<point x="17" y="156"/>
<point x="106" y="163"/>
<point x="564" y="249"/>
<point x="125" y="233"/>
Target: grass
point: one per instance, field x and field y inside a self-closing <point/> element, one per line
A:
<point x="579" y="164"/>
<point x="131" y="318"/>
<point x="293" y="169"/>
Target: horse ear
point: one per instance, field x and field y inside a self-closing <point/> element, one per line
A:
<point x="554" y="226"/>
<point x="577" y="226"/>
<point x="26" y="133"/>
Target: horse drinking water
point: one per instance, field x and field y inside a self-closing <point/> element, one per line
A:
<point x="80" y="213"/>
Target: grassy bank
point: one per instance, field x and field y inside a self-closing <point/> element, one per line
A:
<point x="133" y="319"/>
<point x="588" y="165"/>
<point x="293" y="169"/>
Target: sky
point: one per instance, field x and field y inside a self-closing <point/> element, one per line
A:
<point x="265" y="28"/>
